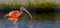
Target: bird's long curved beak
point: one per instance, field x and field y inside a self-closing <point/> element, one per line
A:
<point x="28" y="13"/>
<point x="22" y="8"/>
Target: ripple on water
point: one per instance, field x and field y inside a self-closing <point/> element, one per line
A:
<point x="29" y="24"/>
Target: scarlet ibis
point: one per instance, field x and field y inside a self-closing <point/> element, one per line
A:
<point x="15" y="14"/>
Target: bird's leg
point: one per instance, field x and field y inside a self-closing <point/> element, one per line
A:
<point x="15" y="21"/>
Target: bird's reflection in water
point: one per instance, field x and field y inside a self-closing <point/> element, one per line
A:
<point x="14" y="26"/>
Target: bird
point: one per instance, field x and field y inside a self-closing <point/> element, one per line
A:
<point x="14" y="15"/>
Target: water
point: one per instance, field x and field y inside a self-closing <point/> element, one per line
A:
<point x="29" y="24"/>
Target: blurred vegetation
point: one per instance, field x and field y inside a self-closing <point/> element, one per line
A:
<point x="44" y="5"/>
<point x="9" y="6"/>
<point x="31" y="4"/>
